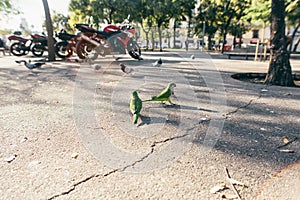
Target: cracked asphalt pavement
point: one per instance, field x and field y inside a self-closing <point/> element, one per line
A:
<point x="66" y="131"/>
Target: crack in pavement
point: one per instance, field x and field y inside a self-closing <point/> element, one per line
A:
<point x="73" y="187"/>
<point x="227" y="115"/>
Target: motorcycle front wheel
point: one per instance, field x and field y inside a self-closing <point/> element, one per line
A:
<point x="37" y="50"/>
<point x="62" y="51"/>
<point x="134" y="50"/>
<point x="86" y="50"/>
<point x="17" y="49"/>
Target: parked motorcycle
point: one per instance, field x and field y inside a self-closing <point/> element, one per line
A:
<point x="66" y="46"/>
<point x="113" y="39"/>
<point x="22" y="46"/>
<point x="37" y="45"/>
<point x="87" y="49"/>
<point x="40" y="45"/>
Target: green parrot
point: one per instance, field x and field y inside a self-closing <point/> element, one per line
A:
<point x="135" y="106"/>
<point x="165" y="95"/>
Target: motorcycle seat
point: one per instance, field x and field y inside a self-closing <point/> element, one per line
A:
<point x="65" y="36"/>
<point x="110" y="34"/>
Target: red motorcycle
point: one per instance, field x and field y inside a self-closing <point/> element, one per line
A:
<point x="40" y="45"/>
<point x="113" y="39"/>
<point x="23" y="45"/>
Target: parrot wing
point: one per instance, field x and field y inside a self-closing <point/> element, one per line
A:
<point x="166" y="93"/>
<point x="163" y="96"/>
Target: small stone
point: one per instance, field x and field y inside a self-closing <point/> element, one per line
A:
<point x="286" y="151"/>
<point x="218" y="188"/>
<point x="263" y="129"/>
<point x="10" y="158"/>
<point x="33" y="163"/>
<point x="74" y="155"/>
<point x="229" y="196"/>
<point x="285" y="139"/>
<point x="23" y="140"/>
<point x="203" y="119"/>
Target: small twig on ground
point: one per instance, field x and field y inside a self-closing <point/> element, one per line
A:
<point x="232" y="184"/>
<point x="289" y="142"/>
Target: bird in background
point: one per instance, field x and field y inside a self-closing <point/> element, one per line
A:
<point x="135" y="106"/>
<point x="116" y="57"/>
<point x="157" y="63"/>
<point x="96" y="66"/>
<point x="140" y="58"/>
<point x="165" y="95"/>
<point x="42" y="60"/>
<point x="193" y="56"/>
<point x="30" y="65"/>
<point x="125" y="68"/>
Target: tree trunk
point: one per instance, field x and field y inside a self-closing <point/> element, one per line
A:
<point x="152" y="39"/>
<point x="234" y="42"/>
<point x="174" y="32"/>
<point x="280" y="72"/>
<point x="160" y="40"/>
<point x="209" y="43"/>
<point x="147" y="40"/>
<point x="296" y="44"/>
<point x="147" y="34"/>
<point x="189" y="28"/>
<point x="293" y="36"/>
<point x="240" y="40"/>
<point x="224" y="42"/>
<point x="49" y="27"/>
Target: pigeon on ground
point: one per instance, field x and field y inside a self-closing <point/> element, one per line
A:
<point x="41" y="60"/>
<point x="126" y="69"/>
<point x="116" y="57"/>
<point x="193" y="56"/>
<point x="96" y="66"/>
<point x="30" y="65"/>
<point x="157" y="63"/>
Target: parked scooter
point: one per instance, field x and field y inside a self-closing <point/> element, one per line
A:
<point x="113" y="39"/>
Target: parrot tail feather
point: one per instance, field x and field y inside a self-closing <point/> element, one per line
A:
<point x="135" y="118"/>
<point x="152" y="99"/>
<point x="147" y="100"/>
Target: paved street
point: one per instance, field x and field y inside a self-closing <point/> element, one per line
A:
<point x="66" y="131"/>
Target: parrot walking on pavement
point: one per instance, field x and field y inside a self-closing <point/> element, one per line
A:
<point x="165" y="95"/>
<point x="135" y="106"/>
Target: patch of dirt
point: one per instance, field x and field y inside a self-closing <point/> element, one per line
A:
<point x="258" y="78"/>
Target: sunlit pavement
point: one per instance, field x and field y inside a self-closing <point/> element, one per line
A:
<point x="51" y="120"/>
